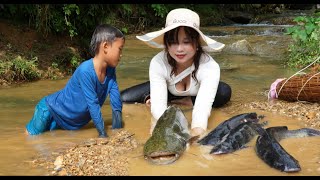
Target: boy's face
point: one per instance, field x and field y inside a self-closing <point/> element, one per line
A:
<point x="114" y="52"/>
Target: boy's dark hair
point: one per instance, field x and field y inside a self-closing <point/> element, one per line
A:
<point x="103" y="33"/>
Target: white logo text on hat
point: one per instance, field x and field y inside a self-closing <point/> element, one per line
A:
<point x="179" y="21"/>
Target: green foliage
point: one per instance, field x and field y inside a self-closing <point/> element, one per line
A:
<point x="124" y="30"/>
<point x="19" y="69"/>
<point x="68" y="10"/>
<point x="306" y="36"/>
<point x="76" y="19"/>
<point x="5" y="68"/>
<point x="210" y="14"/>
<point x="126" y="9"/>
<point x="53" y="72"/>
<point x="26" y="70"/>
<point x="68" y="61"/>
<point x="160" y="10"/>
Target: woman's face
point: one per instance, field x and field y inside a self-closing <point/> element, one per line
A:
<point x="184" y="50"/>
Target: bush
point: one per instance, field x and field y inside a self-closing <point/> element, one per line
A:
<point x="306" y="37"/>
<point x="19" y="70"/>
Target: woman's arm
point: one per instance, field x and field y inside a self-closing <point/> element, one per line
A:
<point x="208" y="76"/>
<point x="158" y="86"/>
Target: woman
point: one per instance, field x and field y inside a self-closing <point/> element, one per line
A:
<point x="184" y="69"/>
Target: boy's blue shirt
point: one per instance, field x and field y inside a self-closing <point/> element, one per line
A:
<point x="82" y="98"/>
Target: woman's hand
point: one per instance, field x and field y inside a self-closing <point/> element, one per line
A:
<point x="197" y="131"/>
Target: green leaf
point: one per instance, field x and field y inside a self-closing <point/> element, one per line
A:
<point x="309" y="28"/>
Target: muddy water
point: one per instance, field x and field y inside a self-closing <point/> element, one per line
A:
<point x="249" y="76"/>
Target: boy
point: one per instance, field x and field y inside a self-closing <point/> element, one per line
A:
<point x="83" y="96"/>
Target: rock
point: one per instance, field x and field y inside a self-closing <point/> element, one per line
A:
<point x="239" y="47"/>
<point x="58" y="163"/>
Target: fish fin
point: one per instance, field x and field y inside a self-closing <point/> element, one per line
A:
<point x="244" y="147"/>
<point x="259" y="129"/>
<point x="264" y="123"/>
<point x="224" y="137"/>
<point x="233" y="153"/>
<point x="183" y="120"/>
<point x="261" y="117"/>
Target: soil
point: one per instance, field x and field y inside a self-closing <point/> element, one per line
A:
<point x="20" y="41"/>
<point x="24" y="41"/>
<point x="306" y="112"/>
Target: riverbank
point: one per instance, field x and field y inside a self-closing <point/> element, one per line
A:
<point x="307" y="113"/>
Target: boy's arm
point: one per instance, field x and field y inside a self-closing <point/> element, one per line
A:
<point x="116" y="105"/>
<point x="93" y="102"/>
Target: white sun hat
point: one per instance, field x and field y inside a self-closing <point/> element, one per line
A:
<point x="181" y="17"/>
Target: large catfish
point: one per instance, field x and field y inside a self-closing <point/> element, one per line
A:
<point x="272" y="153"/>
<point x="216" y="135"/>
<point x="169" y="138"/>
<point x="238" y="138"/>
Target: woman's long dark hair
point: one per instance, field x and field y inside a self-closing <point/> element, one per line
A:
<point x="171" y="37"/>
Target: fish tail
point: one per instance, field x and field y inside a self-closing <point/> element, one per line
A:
<point x="283" y="132"/>
<point x="304" y="132"/>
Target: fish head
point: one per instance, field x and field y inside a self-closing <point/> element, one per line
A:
<point x="169" y="137"/>
<point x="292" y="169"/>
<point x="251" y="117"/>
<point x="234" y="121"/>
<point x="287" y="164"/>
<point x="162" y="151"/>
<point x="162" y="157"/>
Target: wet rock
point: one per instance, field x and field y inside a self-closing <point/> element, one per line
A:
<point x="239" y="47"/>
<point x="239" y="16"/>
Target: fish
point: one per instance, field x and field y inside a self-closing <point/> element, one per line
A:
<point x="139" y="93"/>
<point x="237" y="138"/>
<point x="282" y="132"/>
<point x="169" y="138"/>
<point x="215" y="136"/>
<point x="272" y="153"/>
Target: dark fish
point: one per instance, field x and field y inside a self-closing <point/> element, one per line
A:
<point x="214" y="137"/>
<point x="169" y="138"/>
<point x="271" y="152"/>
<point x="136" y="94"/>
<point x="237" y="138"/>
<point x="282" y="132"/>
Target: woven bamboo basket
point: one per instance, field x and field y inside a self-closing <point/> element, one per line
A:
<point x="300" y="88"/>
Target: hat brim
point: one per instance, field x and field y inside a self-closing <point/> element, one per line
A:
<point x="155" y="39"/>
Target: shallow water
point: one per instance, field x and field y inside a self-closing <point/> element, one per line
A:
<point x="249" y="76"/>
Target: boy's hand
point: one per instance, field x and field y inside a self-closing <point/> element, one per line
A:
<point x="103" y="134"/>
<point x="116" y="119"/>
